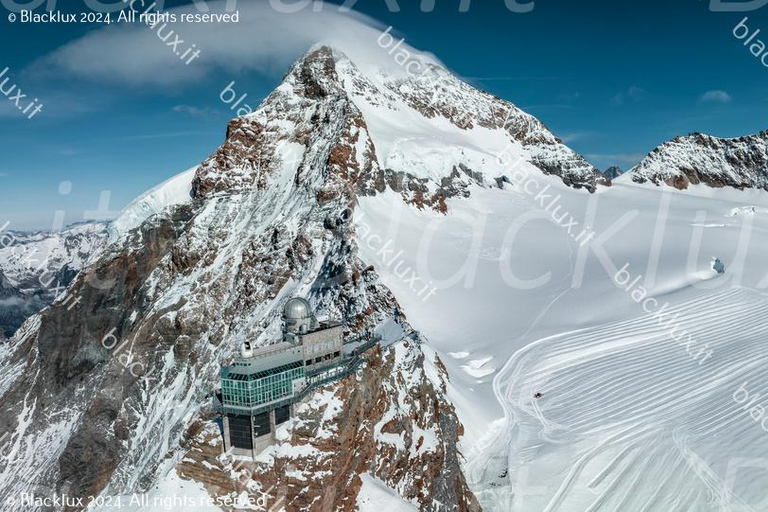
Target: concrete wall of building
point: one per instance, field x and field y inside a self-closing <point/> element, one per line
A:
<point x="227" y="442"/>
<point x="323" y="346"/>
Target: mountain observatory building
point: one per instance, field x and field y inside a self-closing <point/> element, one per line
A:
<point x="260" y="389"/>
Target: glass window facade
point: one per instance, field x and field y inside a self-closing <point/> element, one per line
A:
<point x="282" y="414"/>
<point x="261" y="426"/>
<point x="255" y="389"/>
<point x="240" y="431"/>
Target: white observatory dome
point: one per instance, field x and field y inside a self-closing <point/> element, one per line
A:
<point x="297" y="309"/>
<point x="298" y="316"/>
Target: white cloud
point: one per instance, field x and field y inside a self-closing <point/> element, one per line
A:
<point x="715" y="97"/>
<point x="263" y="40"/>
<point x="633" y="94"/>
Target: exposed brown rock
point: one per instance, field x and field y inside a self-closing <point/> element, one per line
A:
<point x="328" y="480"/>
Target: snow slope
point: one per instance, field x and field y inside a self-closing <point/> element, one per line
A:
<point x="375" y="496"/>
<point x="174" y="191"/>
<point x="521" y="308"/>
<point x="631" y="420"/>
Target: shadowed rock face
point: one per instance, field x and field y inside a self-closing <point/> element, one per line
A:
<point x="64" y="369"/>
<point x="613" y="172"/>
<point x="702" y="159"/>
<point x="100" y="398"/>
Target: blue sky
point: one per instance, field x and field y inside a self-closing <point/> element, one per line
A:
<point x="613" y="79"/>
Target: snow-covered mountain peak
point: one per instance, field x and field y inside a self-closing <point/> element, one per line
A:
<point x="405" y="131"/>
<point x="699" y="158"/>
<point x="433" y="111"/>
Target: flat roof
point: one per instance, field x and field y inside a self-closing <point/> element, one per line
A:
<point x="266" y="358"/>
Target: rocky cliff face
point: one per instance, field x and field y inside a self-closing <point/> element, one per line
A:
<point x="99" y="398"/>
<point x="739" y="163"/>
<point x="389" y="421"/>
<point x="613" y="172"/>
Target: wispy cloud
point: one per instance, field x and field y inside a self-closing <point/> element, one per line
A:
<point x="634" y="94"/>
<point x="715" y="97"/>
<point x="4" y="174"/>
<point x="191" y="110"/>
<point x="625" y="158"/>
<point x="152" y="136"/>
<point x="56" y="103"/>
<point x="569" y="137"/>
<point x="511" y="78"/>
<point x="266" y="42"/>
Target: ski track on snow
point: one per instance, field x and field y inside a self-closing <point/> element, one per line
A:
<point x="629" y="421"/>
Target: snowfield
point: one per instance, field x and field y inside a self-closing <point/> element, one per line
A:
<point x="629" y="418"/>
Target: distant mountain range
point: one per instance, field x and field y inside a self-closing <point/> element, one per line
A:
<point x="35" y="267"/>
